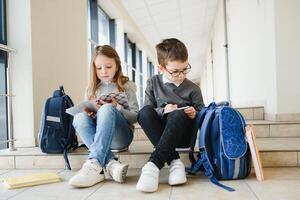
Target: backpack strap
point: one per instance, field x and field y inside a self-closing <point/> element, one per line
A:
<point x="199" y="119"/>
<point x="70" y="130"/>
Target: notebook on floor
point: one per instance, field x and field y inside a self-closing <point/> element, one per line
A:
<point x="30" y="180"/>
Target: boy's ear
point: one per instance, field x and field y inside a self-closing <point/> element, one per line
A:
<point x="160" y="68"/>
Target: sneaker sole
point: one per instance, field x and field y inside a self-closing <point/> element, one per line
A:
<point x="78" y="185"/>
<point x="177" y="182"/>
<point x="124" y="170"/>
<point x="119" y="150"/>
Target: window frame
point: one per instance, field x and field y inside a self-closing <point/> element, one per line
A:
<point x="4" y="61"/>
<point x="130" y="53"/>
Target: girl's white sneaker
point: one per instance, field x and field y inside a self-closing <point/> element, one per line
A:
<point x="117" y="171"/>
<point x="90" y="174"/>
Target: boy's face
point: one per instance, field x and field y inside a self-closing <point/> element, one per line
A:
<point x="175" y="71"/>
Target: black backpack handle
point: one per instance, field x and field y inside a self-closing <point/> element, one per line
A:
<point x="61" y="88"/>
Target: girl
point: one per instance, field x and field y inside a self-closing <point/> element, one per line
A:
<point x="112" y="126"/>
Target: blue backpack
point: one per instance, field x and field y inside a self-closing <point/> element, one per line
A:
<point x="223" y="151"/>
<point x="56" y="134"/>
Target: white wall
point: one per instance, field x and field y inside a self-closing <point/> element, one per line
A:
<point x="287" y="27"/>
<point x="219" y="66"/>
<point x="19" y="37"/>
<point x="51" y="39"/>
<point x="251" y="54"/>
<point x="206" y="80"/>
<point x="263" y="38"/>
<point x="59" y="50"/>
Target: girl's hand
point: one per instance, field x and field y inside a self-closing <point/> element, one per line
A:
<point x="114" y="102"/>
<point x="170" y="107"/>
<point x="191" y="112"/>
<point x="90" y="113"/>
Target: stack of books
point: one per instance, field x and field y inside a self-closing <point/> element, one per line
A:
<point x="31" y="180"/>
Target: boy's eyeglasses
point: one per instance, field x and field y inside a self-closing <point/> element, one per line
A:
<point x="177" y="73"/>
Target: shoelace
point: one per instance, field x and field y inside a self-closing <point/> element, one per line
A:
<point x="88" y="167"/>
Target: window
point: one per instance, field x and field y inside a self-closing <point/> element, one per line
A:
<point x="130" y="58"/>
<point x="101" y="27"/>
<point x="3" y="68"/>
<point x="141" y="88"/>
<point x="150" y="68"/>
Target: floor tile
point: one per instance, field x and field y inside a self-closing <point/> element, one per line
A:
<point x="280" y="184"/>
<point x="199" y="187"/>
<point x="112" y="190"/>
<point x="57" y="191"/>
<point x="5" y="193"/>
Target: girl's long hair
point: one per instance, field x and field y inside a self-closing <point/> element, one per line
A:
<point x="119" y="78"/>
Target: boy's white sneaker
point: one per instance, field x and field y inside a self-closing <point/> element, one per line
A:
<point x="90" y="174"/>
<point x="177" y="173"/>
<point x="117" y="171"/>
<point x="149" y="178"/>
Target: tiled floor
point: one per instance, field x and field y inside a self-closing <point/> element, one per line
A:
<point x="280" y="183"/>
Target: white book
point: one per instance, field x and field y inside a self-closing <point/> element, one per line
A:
<point x="254" y="153"/>
<point x="80" y="107"/>
<point x="31" y="180"/>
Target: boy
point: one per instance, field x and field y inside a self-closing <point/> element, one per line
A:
<point x="165" y="125"/>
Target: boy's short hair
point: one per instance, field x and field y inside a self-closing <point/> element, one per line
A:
<point x="171" y="49"/>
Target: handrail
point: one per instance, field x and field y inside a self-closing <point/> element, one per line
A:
<point x="9" y="96"/>
<point x="6" y="48"/>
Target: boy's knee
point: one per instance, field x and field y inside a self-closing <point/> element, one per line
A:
<point x="177" y="114"/>
<point x="145" y="112"/>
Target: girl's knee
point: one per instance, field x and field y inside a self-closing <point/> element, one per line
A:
<point x="80" y="118"/>
<point x="106" y="108"/>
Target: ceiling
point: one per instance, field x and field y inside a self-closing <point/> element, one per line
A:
<point x="188" y="20"/>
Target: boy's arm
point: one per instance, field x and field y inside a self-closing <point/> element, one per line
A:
<point x="197" y="99"/>
<point x="150" y="98"/>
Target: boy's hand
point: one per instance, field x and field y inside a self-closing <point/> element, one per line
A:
<point x="191" y="112"/>
<point x="170" y="108"/>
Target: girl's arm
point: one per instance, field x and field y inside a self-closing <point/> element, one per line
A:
<point x="130" y="115"/>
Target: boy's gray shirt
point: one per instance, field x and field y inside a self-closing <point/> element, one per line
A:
<point x="158" y="94"/>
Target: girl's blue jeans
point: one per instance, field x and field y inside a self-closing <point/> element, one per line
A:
<point x="110" y="130"/>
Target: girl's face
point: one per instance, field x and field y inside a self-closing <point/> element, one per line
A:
<point x="106" y="68"/>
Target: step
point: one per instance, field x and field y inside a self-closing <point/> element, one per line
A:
<point x="252" y="113"/>
<point x="262" y="129"/>
<point x="275" y="152"/>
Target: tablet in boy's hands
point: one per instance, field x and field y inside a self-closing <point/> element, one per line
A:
<point x="91" y="105"/>
<point x="182" y="108"/>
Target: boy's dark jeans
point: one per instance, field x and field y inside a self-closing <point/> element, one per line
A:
<point x="167" y="133"/>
